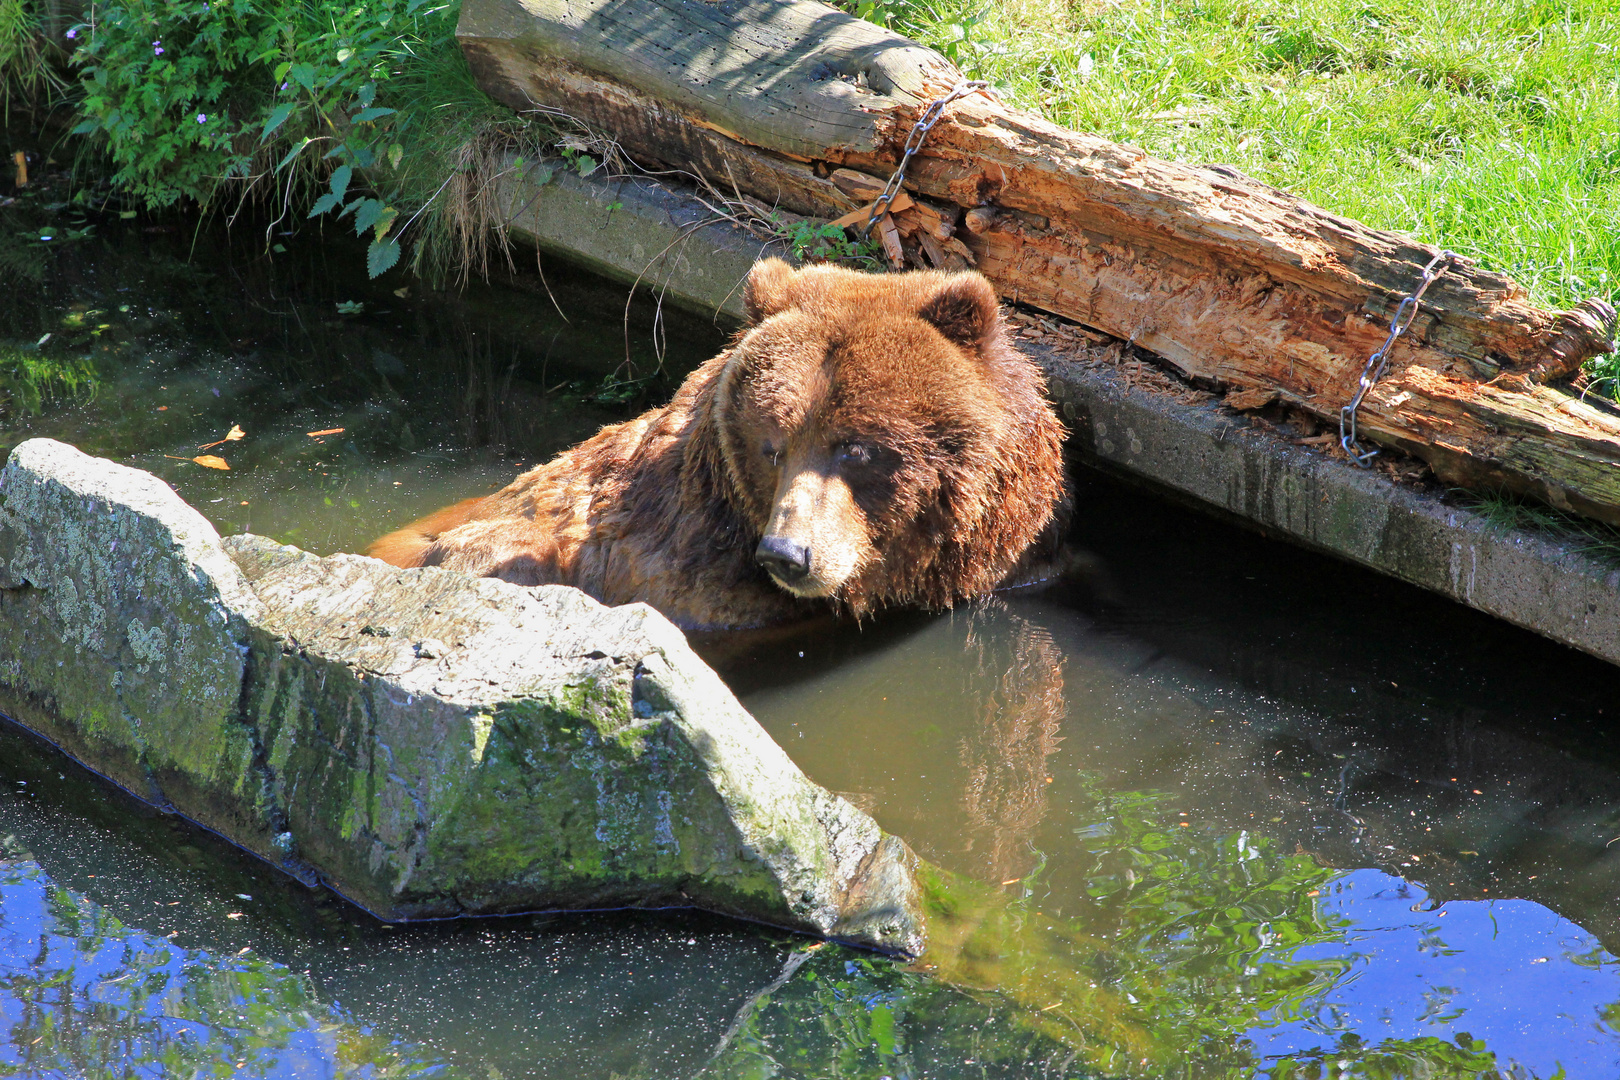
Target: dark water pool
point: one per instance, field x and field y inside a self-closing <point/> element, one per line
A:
<point x="1236" y="810"/>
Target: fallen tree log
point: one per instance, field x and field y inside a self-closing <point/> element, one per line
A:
<point x="1231" y="282"/>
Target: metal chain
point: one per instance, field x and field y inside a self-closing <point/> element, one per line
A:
<point x="919" y="131"/>
<point x="1405" y="312"/>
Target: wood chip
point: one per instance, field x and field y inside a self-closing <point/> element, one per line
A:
<point x="890" y="238"/>
<point x="857" y="185"/>
<point x="1246" y="400"/>
<point x="955" y="245"/>
<point x="931" y="248"/>
<point x="1316" y="440"/>
<point x="926" y="219"/>
<point x="856" y="218"/>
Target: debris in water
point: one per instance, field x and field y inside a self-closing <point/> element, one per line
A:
<point x="210" y="461"/>
<point x="328" y="431"/>
<point x="230" y="436"/>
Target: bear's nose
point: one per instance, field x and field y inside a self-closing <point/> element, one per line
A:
<point x="783" y="558"/>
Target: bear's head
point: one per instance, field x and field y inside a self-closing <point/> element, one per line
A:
<point x="882" y="439"/>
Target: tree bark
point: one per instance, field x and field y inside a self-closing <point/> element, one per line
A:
<point x="1233" y="283"/>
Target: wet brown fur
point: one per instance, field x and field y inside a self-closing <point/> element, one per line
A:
<point x="883" y="420"/>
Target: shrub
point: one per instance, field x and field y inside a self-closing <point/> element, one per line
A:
<point x="207" y="99"/>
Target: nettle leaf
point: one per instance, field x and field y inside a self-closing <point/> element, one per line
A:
<point x="395" y="154"/>
<point x="365" y="116"/>
<point x="323" y="204"/>
<point x="340" y="182"/>
<point x="367" y="94"/>
<point x="278" y="116"/>
<point x="381" y="257"/>
<point x="385" y="222"/>
<point x="303" y="75"/>
<point x="368" y="214"/>
<point x="281" y="71"/>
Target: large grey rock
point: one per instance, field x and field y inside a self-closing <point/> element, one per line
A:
<point x="426" y="743"/>
<point x="121" y="625"/>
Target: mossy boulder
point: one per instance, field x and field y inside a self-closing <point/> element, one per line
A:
<point x="423" y="742"/>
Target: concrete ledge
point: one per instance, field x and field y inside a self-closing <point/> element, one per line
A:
<point x="1206" y="452"/>
<point x="1221" y="458"/>
<point x="636" y="229"/>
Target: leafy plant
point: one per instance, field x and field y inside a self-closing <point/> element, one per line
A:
<point x="214" y="101"/>
<point x="822" y="241"/>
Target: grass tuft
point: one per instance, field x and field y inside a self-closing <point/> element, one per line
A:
<point x="1502" y="512"/>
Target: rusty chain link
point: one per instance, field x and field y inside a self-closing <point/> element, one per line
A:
<point x="919" y="131"/>
<point x="1405" y="312"/>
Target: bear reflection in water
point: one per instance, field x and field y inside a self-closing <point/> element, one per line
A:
<point x="867" y="441"/>
<point x="1015" y="680"/>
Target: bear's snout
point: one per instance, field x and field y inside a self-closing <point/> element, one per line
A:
<point x="785" y="560"/>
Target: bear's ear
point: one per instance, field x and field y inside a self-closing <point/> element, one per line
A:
<point x="766" y="292"/>
<point x="964" y="309"/>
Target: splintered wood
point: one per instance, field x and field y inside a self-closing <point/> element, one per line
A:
<point x="1232" y="283"/>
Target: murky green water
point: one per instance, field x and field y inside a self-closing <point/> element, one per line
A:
<point x="1237" y="810"/>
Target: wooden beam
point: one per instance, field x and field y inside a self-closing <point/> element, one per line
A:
<point x="1232" y="282"/>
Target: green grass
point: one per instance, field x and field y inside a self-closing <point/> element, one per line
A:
<point x="1505" y="513"/>
<point x="1491" y="127"/>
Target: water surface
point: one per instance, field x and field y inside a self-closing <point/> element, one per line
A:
<point x="1232" y="809"/>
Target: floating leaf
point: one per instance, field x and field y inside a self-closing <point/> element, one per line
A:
<point x="328" y="431"/>
<point x="230" y="436"/>
<point x="209" y="461"/>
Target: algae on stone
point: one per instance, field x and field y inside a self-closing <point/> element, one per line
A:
<point x="425" y="743"/>
<point x="120" y="618"/>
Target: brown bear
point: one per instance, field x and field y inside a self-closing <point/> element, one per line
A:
<point x="867" y="440"/>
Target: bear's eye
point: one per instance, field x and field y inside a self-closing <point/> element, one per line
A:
<point x="854" y="454"/>
<point x="772" y="455"/>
